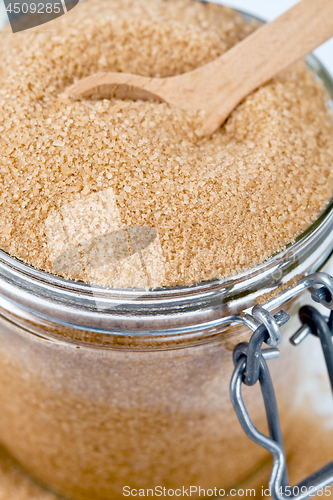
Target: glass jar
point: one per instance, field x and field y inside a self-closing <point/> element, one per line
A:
<point x="102" y="389"/>
<point x="106" y="389"/>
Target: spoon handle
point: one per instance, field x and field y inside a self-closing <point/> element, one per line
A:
<point x="261" y="56"/>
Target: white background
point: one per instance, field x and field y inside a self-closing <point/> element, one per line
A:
<point x="266" y="9"/>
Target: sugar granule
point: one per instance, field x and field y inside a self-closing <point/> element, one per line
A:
<point x="219" y="204"/>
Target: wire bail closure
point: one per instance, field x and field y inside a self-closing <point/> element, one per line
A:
<point x="250" y="367"/>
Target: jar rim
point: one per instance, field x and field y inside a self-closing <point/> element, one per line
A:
<point x="194" y="313"/>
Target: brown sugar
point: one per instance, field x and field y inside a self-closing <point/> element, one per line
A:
<point x="74" y="170"/>
<point x="125" y="193"/>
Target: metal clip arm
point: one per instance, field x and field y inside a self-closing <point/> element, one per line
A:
<point x="250" y="366"/>
<point x="272" y="413"/>
<point x="261" y="335"/>
<point x="319" y="327"/>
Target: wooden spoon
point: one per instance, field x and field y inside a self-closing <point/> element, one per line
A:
<point x="218" y="87"/>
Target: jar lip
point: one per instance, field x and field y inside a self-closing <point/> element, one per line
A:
<point x="48" y="279"/>
<point x="198" y="313"/>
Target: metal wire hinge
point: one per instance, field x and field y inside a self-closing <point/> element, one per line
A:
<point x="251" y="367"/>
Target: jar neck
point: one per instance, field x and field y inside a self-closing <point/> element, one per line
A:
<point x="194" y="312"/>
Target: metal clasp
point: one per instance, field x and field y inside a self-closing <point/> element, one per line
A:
<point x="250" y="366"/>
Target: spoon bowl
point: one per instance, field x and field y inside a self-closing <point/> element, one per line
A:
<point x="216" y="88"/>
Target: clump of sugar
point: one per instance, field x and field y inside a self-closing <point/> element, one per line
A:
<point x="215" y="205"/>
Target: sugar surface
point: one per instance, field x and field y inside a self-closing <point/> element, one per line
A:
<point x="219" y="204"/>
